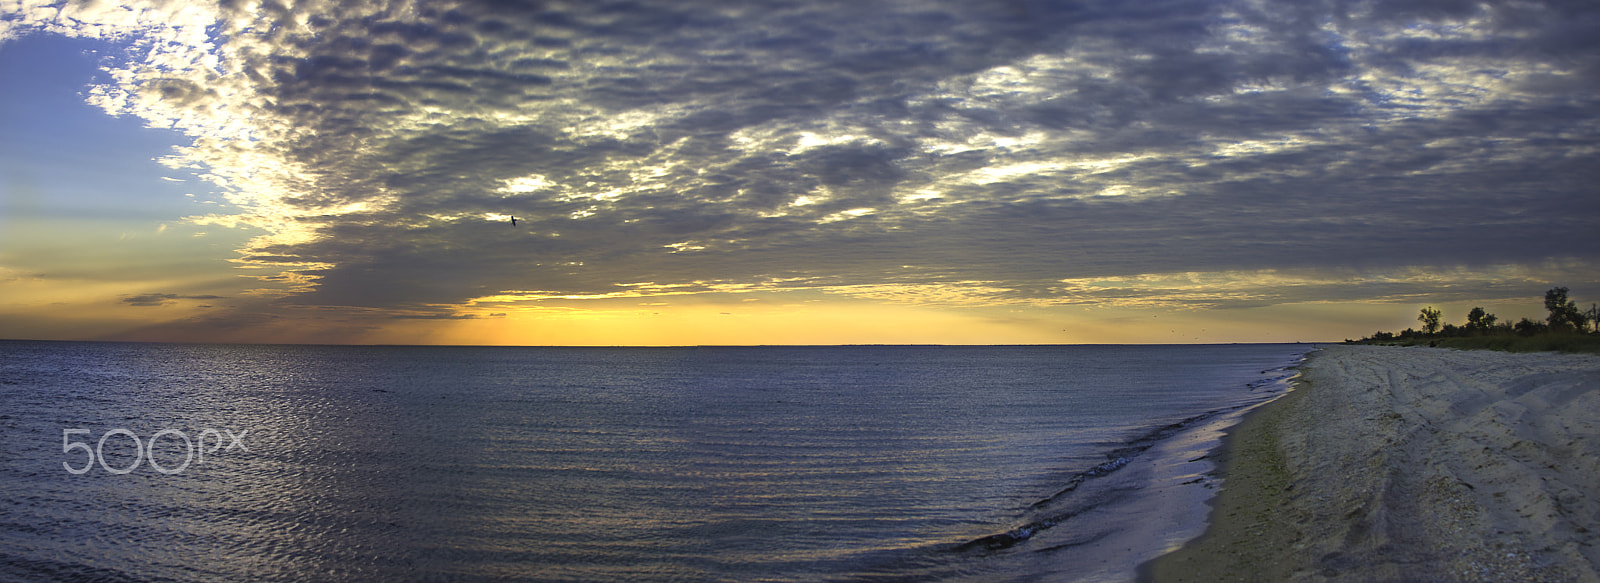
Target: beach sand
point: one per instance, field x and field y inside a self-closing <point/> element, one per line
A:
<point x="1411" y="464"/>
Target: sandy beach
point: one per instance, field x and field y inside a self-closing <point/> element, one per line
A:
<point x="1411" y="464"/>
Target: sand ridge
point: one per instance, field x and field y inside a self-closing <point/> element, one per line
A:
<point x="1412" y="464"/>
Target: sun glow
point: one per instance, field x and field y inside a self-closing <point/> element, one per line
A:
<point x="731" y="323"/>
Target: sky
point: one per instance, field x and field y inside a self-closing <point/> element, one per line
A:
<point x="689" y="172"/>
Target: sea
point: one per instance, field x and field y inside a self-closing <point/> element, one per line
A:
<point x="189" y="462"/>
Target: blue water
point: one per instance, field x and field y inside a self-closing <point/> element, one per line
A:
<point x="580" y="464"/>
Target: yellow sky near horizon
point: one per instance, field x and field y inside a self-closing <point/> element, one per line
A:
<point x="759" y="318"/>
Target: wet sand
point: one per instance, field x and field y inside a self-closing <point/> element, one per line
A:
<point x="1411" y="464"/>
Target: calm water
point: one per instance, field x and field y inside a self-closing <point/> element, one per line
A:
<point x="686" y="464"/>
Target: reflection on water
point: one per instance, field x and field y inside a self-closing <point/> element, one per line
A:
<point x="384" y="463"/>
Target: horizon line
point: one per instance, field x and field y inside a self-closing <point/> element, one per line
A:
<point x="842" y="345"/>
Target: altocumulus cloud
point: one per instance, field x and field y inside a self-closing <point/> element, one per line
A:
<point x="965" y="152"/>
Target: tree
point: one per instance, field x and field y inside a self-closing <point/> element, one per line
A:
<point x="1564" y="313"/>
<point x="1480" y="320"/>
<point x="1430" y="319"/>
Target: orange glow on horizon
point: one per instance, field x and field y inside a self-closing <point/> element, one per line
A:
<point x="725" y="324"/>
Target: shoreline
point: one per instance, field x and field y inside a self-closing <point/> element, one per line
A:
<point x="1241" y="540"/>
<point x="1390" y="464"/>
<point x="1148" y="498"/>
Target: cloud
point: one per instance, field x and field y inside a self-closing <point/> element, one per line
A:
<point x="151" y="300"/>
<point x="998" y="149"/>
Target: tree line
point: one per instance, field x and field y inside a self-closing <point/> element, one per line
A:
<point x="1565" y="319"/>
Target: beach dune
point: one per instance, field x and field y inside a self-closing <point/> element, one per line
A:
<point x="1411" y="464"/>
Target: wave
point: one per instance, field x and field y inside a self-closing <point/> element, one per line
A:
<point x="24" y="569"/>
<point x="1078" y="495"/>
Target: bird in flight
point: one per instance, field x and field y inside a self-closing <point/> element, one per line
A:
<point x="513" y="221"/>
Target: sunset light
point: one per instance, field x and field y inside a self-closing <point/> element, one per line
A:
<point x="933" y="172"/>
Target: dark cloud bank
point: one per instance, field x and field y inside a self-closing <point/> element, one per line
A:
<point x="853" y="143"/>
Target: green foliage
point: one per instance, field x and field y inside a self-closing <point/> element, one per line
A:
<point x="1430" y="319"/>
<point x="1564" y="314"/>
<point x="1566" y="330"/>
<point x="1480" y="321"/>
<point x="1514" y="343"/>
<point x="1526" y="327"/>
